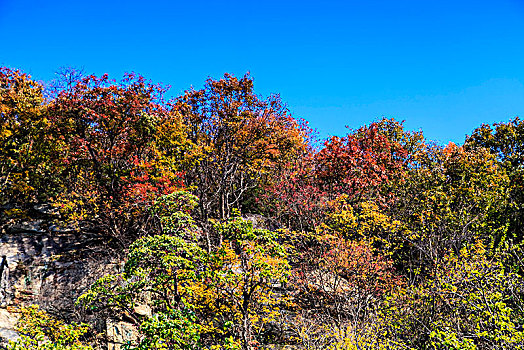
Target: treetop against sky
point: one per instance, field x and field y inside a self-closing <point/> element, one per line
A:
<point x="443" y="66"/>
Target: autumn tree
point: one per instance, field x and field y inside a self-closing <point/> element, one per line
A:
<point x="117" y="150"/>
<point x="469" y="302"/>
<point x="344" y="270"/>
<point x="506" y="142"/>
<point x="293" y="197"/>
<point x="450" y="199"/>
<point x="246" y="271"/>
<point x="365" y="165"/>
<point x="24" y="165"/>
<point x="360" y="164"/>
<point x="241" y="138"/>
<point x="65" y="80"/>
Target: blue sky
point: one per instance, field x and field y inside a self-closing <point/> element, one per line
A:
<point x="443" y="66"/>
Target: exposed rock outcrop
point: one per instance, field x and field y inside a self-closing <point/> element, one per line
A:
<point x="45" y="264"/>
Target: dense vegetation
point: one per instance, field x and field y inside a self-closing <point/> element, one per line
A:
<point x="379" y="239"/>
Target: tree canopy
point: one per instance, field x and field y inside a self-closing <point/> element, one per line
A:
<point x="237" y="231"/>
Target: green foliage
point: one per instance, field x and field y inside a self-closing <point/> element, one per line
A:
<point x="245" y="270"/>
<point x="197" y="297"/>
<point x="505" y="141"/>
<point x="469" y="302"/>
<point x="454" y="197"/>
<point x="174" y="213"/>
<point x="156" y="274"/>
<point x="173" y="330"/>
<point x="39" y="331"/>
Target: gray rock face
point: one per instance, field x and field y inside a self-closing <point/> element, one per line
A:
<point x="119" y="333"/>
<point x="49" y="266"/>
<point x="261" y="222"/>
<point x="7" y="322"/>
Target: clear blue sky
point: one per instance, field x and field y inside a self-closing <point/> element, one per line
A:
<point x="443" y="66"/>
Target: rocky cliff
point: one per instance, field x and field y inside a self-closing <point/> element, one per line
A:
<point x="46" y="264"/>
